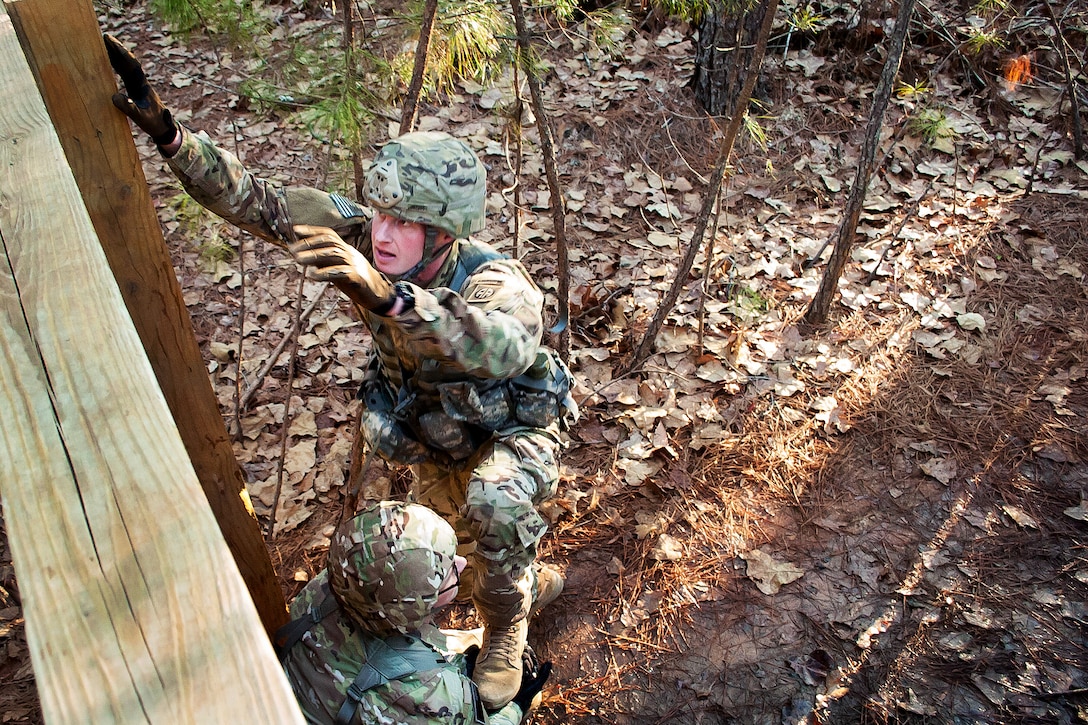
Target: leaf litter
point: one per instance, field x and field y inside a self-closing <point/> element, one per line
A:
<point x="879" y="521"/>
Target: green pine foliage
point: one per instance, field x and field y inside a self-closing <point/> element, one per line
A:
<point x="932" y="125"/>
<point x="200" y="224"/>
<point x="693" y="11"/>
<point x="236" y="19"/>
<point x="474" y="39"/>
<point x="341" y="94"/>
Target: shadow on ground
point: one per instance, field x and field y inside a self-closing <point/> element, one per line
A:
<point x="934" y="553"/>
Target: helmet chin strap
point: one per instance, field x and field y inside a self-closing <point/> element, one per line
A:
<point x="429" y="255"/>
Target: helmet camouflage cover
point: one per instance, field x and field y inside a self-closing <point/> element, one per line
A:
<point x="429" y="177"/>
<point x="387" y="565"/>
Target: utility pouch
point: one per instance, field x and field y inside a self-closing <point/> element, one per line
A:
<point x="465" y="401"/>
<point x="447" y="434"/>
<point x="390" y="438"/>
<point x="374" y="391"/>
<point x="536" y="408"/>
<point x="542" y="393"/>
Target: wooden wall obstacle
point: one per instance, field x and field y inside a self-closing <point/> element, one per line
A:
<point x="63" y="44"/>
<point x="135" y="609"/>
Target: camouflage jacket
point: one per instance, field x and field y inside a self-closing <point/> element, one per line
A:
<point x="322" y="665"/>
<point x="483" y="333"/>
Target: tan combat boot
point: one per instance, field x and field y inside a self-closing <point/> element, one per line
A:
<point x="547" y="585"/>
<point x="498" y="667"/>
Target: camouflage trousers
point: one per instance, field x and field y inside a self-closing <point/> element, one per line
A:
<point x="490" y="500"/>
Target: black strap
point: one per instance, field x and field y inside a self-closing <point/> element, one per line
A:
<point x="289" y="634"/>
<point x="386" y="660"/>
<point x="469" y="258"/>
<point x="478" y="711"/>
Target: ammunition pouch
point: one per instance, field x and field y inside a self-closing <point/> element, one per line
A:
<point x="449" y="435"/>
<point x="541" y="394"/>
<point x="466" y="412"/>
<point x="384" y="431"/>
<point x="538" y="398"/>
<point x="391" y="439"/>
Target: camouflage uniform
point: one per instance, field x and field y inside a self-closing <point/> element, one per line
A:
<point x="385" y="567"/>
<point x="436" y="389"/>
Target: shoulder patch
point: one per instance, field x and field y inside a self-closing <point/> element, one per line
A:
<point x="346" y="207"/>
<point x="484" y="290"/>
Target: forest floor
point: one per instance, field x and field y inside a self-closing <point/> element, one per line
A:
<point x="882" y="520"/>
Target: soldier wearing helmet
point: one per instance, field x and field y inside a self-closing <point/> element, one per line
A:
<point x="458" y="384"/>
<point x="363" y="647"/>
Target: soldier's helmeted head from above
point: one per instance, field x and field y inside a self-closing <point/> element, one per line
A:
<point x="388" y="566"/>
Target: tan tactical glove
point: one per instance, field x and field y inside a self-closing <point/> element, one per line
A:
<point x="142" y="103"/>
<point x="331" y="259"/>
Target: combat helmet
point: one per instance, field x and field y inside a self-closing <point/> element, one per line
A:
<point x="387" y="564"/>
<point x="430" y="178"/>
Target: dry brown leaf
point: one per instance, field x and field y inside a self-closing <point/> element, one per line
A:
<point x="769" y="574"/>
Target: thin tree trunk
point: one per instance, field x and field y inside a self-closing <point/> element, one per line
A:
<point x="666" y="306"/>
<point x="1070" y="83"/>
<point x="821" y="303"/>
<point x="547" y="143"/>
<point x="347" y="44"/>
<point x="292" y="363"/>
<point x="411" y="101"/>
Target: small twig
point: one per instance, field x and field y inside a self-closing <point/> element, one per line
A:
<point x="891" y="242"/>
<point x="633" y="640"/>
<point x="274" y="357"/>
<point x="289" y="387"/>
<point x="242" y="285"/>
<point x="1070" y="83"/>
<point x="351" y="499"/>
<point x="708" y="262"/>
<point x="602" y="305"/>
<point x="1063" y="693"/>
<point x="937" y="25"/>
<point x="1035" y="165"/>
<point x="668" y="132"/>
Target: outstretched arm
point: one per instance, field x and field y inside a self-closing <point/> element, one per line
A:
<point x="215" y="178"/>
<point x="491" y="328"/>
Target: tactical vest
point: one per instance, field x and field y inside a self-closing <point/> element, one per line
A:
<point x="434" y="417"/>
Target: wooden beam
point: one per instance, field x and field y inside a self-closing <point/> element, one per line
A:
<point x="135" y="610"/>
<point x="63" y="44"/>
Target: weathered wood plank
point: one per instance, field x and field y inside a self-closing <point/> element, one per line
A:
<point x="135" y="609"/>
<point x="62" y="40"/>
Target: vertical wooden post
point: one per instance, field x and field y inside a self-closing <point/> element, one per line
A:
<point x="63" y="43"/>
<point x="135" y="611"/>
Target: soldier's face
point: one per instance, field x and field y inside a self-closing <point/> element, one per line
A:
<point x="397" y="244"/>
<point x="448" y="588"/>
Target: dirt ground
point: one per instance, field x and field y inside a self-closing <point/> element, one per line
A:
<point x="919" y="558"/>
<point x="919" y="601"/>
